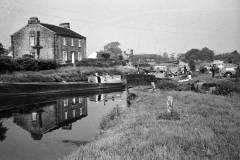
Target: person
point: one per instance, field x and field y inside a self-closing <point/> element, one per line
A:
<point x="213" y="70"/>
<point x="238" y="71"/>
<point x="184" y="70"/>
<point x="189" y="75"/>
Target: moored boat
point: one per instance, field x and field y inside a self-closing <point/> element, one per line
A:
<point x="94" y="83"/>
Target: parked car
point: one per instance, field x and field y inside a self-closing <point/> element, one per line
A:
<point x="229" y="70"/>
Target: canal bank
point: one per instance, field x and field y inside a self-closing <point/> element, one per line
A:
<point x="49" y="127"/>
<point x="202" y="127"/>
<point x="66" y="74"/>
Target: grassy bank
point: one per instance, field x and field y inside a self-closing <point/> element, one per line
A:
<point x="63" y="74"/>
<point x="205" y="127"/>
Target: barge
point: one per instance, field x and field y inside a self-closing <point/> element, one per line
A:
<point x="94" y="84"/>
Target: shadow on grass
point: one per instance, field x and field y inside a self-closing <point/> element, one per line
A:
<point x="174" y="116"/>
<point x="130" y="98"/>
<point x="77" y="143"/>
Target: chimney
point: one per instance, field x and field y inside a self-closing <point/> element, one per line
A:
<point x="33" y="20"/>
<point x="65" y="25"/>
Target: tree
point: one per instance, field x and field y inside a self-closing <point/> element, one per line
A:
<point x="204" y="54"/>
<point x="232" y="57"/>
<point x="192" y="65"/>
<point x="113" y="50"/>
<point x="165" y="56"/>
<point x="105" y="55"/>
<point x="2" y="50"/>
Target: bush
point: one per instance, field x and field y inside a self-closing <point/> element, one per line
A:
<point x="107" y="120"/>
<point x="203" y="69"/>
<point x="6" y="64"/>
<point x="47" y="64"/>
<point x="140" y="79"/>
<point x="99" y="62"/>
<point x="166" y="84"/>
<point x="28" y="64"/>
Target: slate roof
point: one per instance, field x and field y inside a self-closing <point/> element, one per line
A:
<point x="63" y="31"/>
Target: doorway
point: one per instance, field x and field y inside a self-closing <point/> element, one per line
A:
<point x="73" y="57"/>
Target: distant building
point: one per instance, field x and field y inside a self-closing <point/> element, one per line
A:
<point x="46" y="41"/>
<point x="218" y="63"/>
<point x="181" y="65"/>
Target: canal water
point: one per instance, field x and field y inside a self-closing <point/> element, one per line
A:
<point x="53" y="128"/>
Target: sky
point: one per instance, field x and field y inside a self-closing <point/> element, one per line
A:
<point x="146" y="26"/>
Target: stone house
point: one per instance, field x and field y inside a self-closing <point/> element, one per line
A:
<point x="46" y="41"/>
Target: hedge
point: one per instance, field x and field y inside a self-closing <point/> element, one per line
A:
<point x="7" y="64"/>
<point x="100" y="62"/>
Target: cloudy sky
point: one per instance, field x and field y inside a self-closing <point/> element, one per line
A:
<point x="146" y="26"/>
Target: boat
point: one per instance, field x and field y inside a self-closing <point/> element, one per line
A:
<point x="94" y="84"/>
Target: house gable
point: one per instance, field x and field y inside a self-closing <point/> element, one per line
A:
<point x="21" y="41"/>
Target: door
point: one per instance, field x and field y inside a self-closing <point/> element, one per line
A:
<point x="73" y="57"/>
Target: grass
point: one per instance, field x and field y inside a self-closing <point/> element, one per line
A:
<point x="204" y="127"/>
<point x="63" y="74"/>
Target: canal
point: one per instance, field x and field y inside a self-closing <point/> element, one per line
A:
<point x="52" y="127"/>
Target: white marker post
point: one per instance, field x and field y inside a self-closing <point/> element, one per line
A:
<point x="153" y="86"/>
<point x="169" y="104"/>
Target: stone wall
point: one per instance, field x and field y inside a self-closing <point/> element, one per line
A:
<point x="21" y="41"/>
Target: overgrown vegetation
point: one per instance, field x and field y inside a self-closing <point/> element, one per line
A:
<point x="68" y="74"/>
<point x="139" y="79"/>
<point x="7" y="64"/>
<point x="100" y="62"/>
<point x="205" y="127"/>
<point x="231" y="84"/>
<point x="108" y="119"/>
<point x="232" y="57"/>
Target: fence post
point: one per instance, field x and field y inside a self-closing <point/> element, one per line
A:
<point x="169" y="104"/>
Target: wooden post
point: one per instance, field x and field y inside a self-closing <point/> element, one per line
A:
<point x="169" y="104"/>
<point x="153" y="86"/>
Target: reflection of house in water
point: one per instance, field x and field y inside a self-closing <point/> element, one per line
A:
<point x="53" y="115"/>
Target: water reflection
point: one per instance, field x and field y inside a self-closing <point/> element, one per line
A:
<point x="42" y="118"/>
<point x="52" y="127"/>
<point x="105" y="97"/>
<point x="3" y="131"/>
<point x="51" y="116"/>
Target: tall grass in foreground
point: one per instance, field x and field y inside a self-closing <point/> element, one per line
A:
<point x="208" y="128"/>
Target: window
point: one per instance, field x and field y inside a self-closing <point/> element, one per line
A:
<point x="64" y="55"/>
<point x="80" y="111"/>
<point x="74" y="100"/>
<point x="80" y="100"/>
<point x="79" y="56"/>
<point x="74" y="113"/>
<point x="34" y="116"/>
<point x="33" y="54"/>
<point x="64" y="41"/>
<point x="32" y="40"/>
<point x="65" y="102"/>
<point x="66" y="115"/>
<point x="79" y="43"/>
<point x="72" y="42"/>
